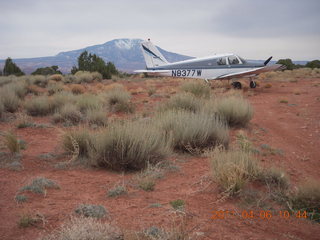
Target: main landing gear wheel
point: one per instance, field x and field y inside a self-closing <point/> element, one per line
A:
<point x="253" y="84"/>
<point x="236" y="85"/>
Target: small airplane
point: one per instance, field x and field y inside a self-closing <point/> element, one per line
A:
<point x="216" y="67"/>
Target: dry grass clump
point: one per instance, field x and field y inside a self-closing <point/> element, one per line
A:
<point x="39" y="106"/>
<point x="18" y="88"/>
<point x="11" y="141"/>
<point x="96" y="116"/>
<point x="191" y="131"/>
<point x="35" y="90"/>
<point x="274" y="177"/>
<point x="27" y="220"/>
<point x="97" y="76"/>
<point x="6" y="79"/>
<point x="9" y="100"/>
<point x="88" y="210"/>
<point x="87" y="102"/>
<point x="77" y="89"/>
<point x="129" y="146"/>
<point x="81" y="228"/>
<point x="307" y="198"/>
<point x="233" y="169"/>
<point x="39" y="80"/>
<point x="54" y="88"/>
<point x="198" y="89"/>
<point x="39" y="185"/>
<point x="118" y="100"/>
<point x="176" y="232"/>
<point x="56" y="77"/>
<point x="68" y="113"/>
<point x="182" y="101"/>
<point x="61" y="98"/>
<point x="84" y="77"/>
<point x="236" y="111"/>
<point x="78" y="142"/>
<point x="117" y="191"/>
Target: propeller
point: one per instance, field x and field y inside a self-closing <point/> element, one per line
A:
<point x="267" y="61"/>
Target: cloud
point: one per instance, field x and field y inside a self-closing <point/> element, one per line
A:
<point x="259" y="19"/>
<point x="43" y="27"/>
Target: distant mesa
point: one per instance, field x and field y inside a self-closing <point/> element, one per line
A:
<point x="124" y="53"/>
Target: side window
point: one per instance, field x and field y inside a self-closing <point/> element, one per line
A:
<point x="233" y="60"/>
<point x="222" y="61"/>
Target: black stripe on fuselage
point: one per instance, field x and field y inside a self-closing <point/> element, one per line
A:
<point x="204" y="67"/>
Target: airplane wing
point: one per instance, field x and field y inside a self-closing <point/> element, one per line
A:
<point x="152" y="71"/>
<point x="252" y="72"/>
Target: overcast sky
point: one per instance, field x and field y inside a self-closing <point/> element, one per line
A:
<point x="253" y="29"/>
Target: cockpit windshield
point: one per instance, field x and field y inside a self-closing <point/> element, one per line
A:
<point x="242" y="60"/>
<point x="233" y="60"/>
<point x="222" y="61"/>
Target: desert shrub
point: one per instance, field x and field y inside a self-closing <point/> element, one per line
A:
<point x="177" y="231"/>
<point x="77" y="89"/>
<point x="40" y="81"/>
<point x="95" y="116"/>
<point x="54" y="88"/>
<point x="61" y="98"/>
<point x="70" y="78"/>
<point x="237" y="111"/>
<point x="36" y="90"/>
<point x="9" y="100"/>
<point x="11" y="141"/>
<point x="146" y="183"/>
<point x="151" y="91"/>
<point x="274" y="177"/>
<point x="84" y="76"/>
<point x="96" y="76"/>
<point x="39" y="106"/>
<point x="18" y="88"/>
<point x="283" y="101"/>
<point x="77" y="142"/>
<point x="118" y="100"/>
<point x="190" y="130"/>
<point x="177" y="204"/>
<point x="68" y="113"/>
<point x="6" y="79"/>
<point x="182" y="101"/>
<point x="233" y="169"/>
<point x="24" y="121"/>
<point x="124" y="107"/>
<point x="129" y="146"/>
<point x="88" y="210"/>
<point x="307" y="198"/>
<point x="87" y="102"/>
<point x="84" y="229"/>
<point x="27" y="220"/>
<point x="117" y="191"/>
<point x="39" y="185"/>
<point x="197" y="89"/>
<point x="21" y="198"/>
<point x="56" y="77"/>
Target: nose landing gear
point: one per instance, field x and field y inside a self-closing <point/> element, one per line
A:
<point x="253" y="84"/>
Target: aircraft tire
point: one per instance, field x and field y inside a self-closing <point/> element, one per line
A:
<point x="237" y="85"/>
<point x="253" y="84"/>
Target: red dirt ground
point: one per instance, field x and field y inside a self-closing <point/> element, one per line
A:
<point x="293" y="128"/>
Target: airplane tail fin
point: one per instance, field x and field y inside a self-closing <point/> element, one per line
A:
<point x="152" y="56"/>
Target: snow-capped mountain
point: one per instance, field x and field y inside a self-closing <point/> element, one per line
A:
<point x="124" y="53"/>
